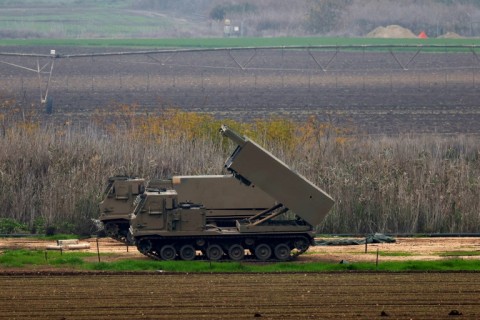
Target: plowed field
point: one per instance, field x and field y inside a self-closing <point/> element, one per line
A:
<point x="368" y="91"/>
<point x="241" y="296"/>
<point x="50" y="293"/>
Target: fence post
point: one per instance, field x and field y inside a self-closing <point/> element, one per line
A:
<point x="98" y="251"/>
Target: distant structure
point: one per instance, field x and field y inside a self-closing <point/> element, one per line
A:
<point x="422" y="35"/>
<point x="229" y="30"/>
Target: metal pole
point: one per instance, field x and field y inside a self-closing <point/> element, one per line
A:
<point x="98" y="251"/>
<point x="309" y="80"/>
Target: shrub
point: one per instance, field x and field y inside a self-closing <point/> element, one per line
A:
<point x="11" y="226"/>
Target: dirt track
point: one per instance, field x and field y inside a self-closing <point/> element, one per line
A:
<point x="409" y="249"/>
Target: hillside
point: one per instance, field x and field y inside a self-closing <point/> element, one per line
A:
<point x="205" y="18"/>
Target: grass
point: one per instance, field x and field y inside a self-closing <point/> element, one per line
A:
<point x="81" y="19"/>
<point x="86" y="23"/>
<point x="24" y="258"/>
<point x="460" y="253"/>
<point x="233" y="42"/>
<point x="57" y="237"/>
<point x="76" y="260"/>
<point x="393" y="254"/>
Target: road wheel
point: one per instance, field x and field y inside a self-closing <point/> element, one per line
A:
<point x="187" y="252"/>
<point x="168" y="252"/>
<point x="111" y="229"/>
<point x="236" y="252"/>
<point x="301" y="244"/>
<point x="263" y="252"/>
<point x="214" y="252"/>
<point x="282" y="252"/>
<point x="144" y="246"/>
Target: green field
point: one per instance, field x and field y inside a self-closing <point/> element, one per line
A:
<point x="236" y="42"/>
<point x="87" y="261"/>
<point x="82" y="19"/>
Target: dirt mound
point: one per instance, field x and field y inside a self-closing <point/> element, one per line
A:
<point x="450" y="35"/>
<point x="392" y="31"/>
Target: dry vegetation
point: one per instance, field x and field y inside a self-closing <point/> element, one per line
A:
<point x="52" y="176"/>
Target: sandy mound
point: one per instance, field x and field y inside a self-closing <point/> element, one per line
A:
<point x="392" y="31"/>
<point x="450" y="35"/>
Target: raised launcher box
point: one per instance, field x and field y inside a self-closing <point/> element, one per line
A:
<point x="254" y="165"/>
<point x="70" y="244"/>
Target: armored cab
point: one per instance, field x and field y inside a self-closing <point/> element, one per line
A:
<point x="117" y="205"/>
<point x="165" y="227"/>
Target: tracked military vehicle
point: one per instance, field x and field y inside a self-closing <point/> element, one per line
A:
<point x="166" y="228"/>
<point x="224" y="198"/>
<point x="117" y="205"/>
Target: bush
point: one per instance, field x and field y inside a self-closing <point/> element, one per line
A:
<point x="10" y="226"/>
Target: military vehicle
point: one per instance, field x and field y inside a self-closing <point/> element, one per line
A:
<point x="224" y="198"/>
<point x="164" y="227"/>
<point x="117" y="205"/>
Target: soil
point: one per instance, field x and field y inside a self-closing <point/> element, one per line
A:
<point x="240" y="296"/>
<point x="51" y="293"/>
<point x="450" y="35"/>
<point x="391" y="31"/>
<point x="391" y="91"/>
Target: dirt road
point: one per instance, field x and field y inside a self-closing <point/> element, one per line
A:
<point x="402" y="249"/>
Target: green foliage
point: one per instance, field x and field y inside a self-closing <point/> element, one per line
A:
<point x="11" y="226"/>
<point x="38" y="226"/>
<point x="60" y="236"/>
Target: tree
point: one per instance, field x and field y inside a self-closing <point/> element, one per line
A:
<point x="218" y="13"/>
<point x="323" y="15"/>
